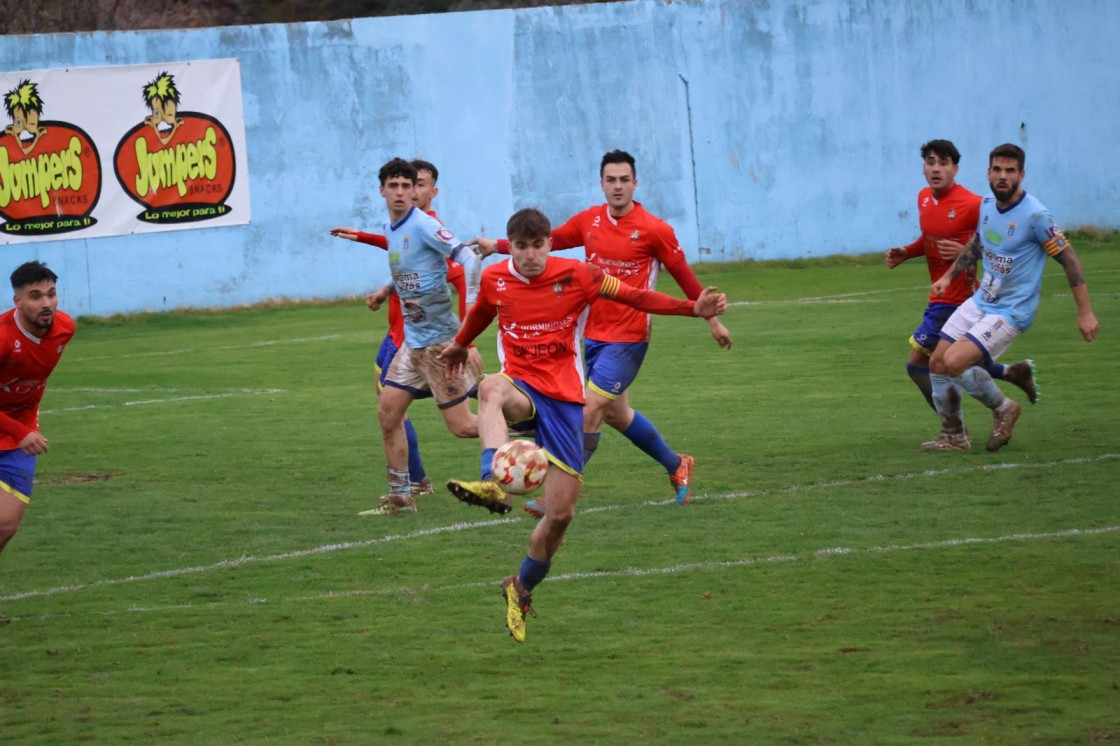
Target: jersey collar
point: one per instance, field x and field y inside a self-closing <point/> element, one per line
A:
<point x="402" y="221"/>
<point x="513" y="271"/>
<point x="613" y="219"/>
<point x="31" y="337"/>
<point x="1018" y="202"/>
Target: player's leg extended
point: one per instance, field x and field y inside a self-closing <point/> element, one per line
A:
<point x="561" y="491"/>
<point x="498" y="399"/>
<point x="643" y="434"/>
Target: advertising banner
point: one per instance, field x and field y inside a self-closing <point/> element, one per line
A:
<point x="110" y="151"/>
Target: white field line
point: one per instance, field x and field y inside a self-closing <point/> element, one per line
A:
<point x="483" y="524"/>
<point x="817" y="554"/>
<point x="142" y="402"/>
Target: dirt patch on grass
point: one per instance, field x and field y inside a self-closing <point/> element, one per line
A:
<point x="96" y="476"/>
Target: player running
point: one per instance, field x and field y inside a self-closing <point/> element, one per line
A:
<point x="1015" y="236"/>
<point x="425" y="191"/>
<point x="33" y="336"/>
<point x="948" y="214"/>
<point x="625" y="241"/>
<point x="538" y="301"/>
<point x="419" y="247"/>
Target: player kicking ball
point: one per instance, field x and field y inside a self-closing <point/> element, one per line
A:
<point x="538" y="300"/>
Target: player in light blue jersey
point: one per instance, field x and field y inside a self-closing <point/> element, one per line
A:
<point x="419" y="246"/>
<point x="1015" y="236"/>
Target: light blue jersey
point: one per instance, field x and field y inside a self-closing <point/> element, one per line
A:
<point x="1016" y="244"/>
<point x="419" y="246"/>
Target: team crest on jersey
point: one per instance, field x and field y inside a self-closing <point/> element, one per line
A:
<point x="501" y="284"/>
<point x="953" y="214"/>
<point x="634" y="236"/>
<point x="404" y="247"/>
<point x="445" y="235"/>
<point x="16" y="345"/>
<point x="925" y="202"/>
<point x="1011" y="230"/>
<point x="558" y="287"/>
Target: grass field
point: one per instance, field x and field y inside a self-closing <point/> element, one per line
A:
<point x="192" y="569"/>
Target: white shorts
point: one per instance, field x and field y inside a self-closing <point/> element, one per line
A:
<point x="419" y="373"/>
<point x="991" y="333"/>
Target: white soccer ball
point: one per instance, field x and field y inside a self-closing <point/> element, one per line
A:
<point x="520" y="467"/>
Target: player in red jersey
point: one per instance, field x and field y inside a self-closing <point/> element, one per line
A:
<point x="425" y="190"/>
<point x="625" y="241"/>
<point x="538" y="302"/>
<point x="947" y="215"/>
<point x="32" y="338"/>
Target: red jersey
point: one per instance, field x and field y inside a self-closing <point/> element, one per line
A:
<point x="955" y="216"/>
<point x="25" y="363"/>
<point x="631" y="248"/>
<point x="539" y="319"/>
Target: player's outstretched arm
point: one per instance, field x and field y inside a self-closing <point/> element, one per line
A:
<point x="484" y="246"/>
<point x="353" y="234"/>
<point x="710" y="303"/>
<point x="1087" y="322"/>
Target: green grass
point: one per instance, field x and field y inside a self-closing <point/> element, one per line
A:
<point x="192" y="569"/>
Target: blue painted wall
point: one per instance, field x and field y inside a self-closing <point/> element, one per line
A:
<point x="762" y="129"/>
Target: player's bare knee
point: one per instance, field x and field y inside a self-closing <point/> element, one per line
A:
<point x="492" y="391"/>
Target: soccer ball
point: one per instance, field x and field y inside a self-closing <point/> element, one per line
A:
<point x="520" y="467"/>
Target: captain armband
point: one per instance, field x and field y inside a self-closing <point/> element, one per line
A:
<point x="609" y="287"/>
<point x="1057" y="244"/>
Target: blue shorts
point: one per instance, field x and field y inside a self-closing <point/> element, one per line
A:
<point x="559" y="427"/>
<point x="385" y="355"/>
<point x="928" y="333"/>
<point x="612" y="366"/>
<point x="17" y="474"/>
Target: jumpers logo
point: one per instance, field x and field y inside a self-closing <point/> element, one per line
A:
<point x="179" y="165"/>
<point x="50" y="174"/>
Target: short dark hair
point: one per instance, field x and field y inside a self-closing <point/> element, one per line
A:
<point x="618" y="156"/>
<point x="528" y="224"/>
<point x="1008" y="150"/>
<point x="30" y="273"/>
<point x="421" y="165"/>
<point x="942" y="148"/>
<point x="397" y="167"/>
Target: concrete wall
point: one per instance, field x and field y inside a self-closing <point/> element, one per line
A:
<point x="762" y="129"/>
